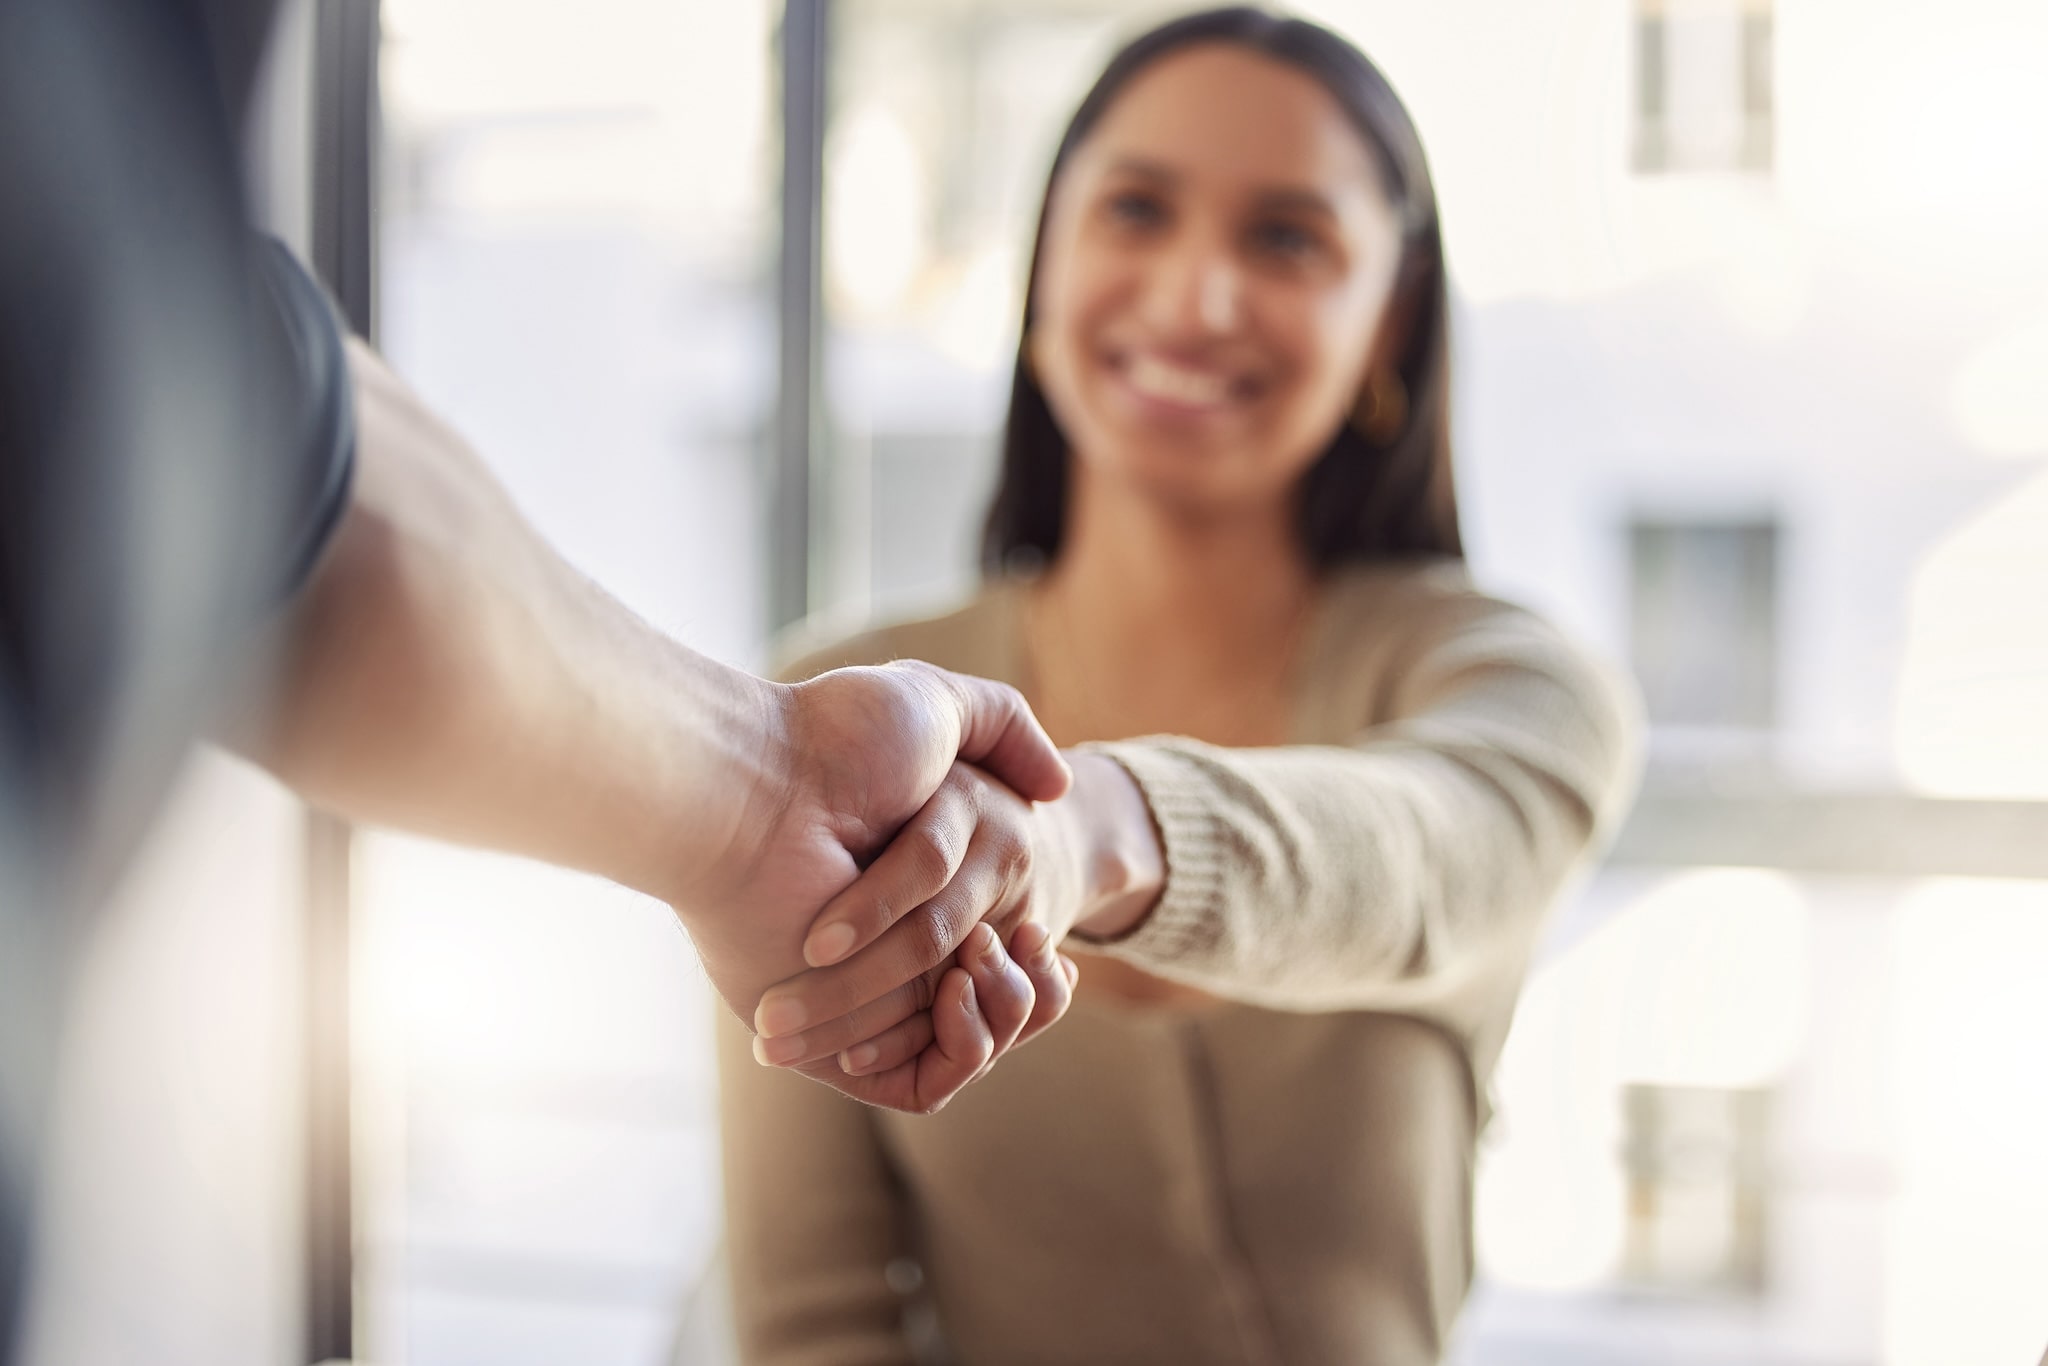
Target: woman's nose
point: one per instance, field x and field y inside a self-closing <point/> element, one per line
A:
<point x="1195" y="290"/>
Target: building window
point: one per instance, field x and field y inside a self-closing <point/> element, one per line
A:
<point x="1704" y="86"/>
<point x="1696" y="1163"/>
<point x="1703" y="619"/>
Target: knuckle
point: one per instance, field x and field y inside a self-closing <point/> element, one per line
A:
<point x="877" y="916"/>
<point x="930" y="939"/>
<point x="925" y="684"/>
<point x="1013" y="858"/>
<point x="960" y="915"/>
<point x="931" y="857"/>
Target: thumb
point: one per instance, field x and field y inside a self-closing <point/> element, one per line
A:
<point x="999" y="734"/>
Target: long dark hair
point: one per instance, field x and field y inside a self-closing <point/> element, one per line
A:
<point x="1384" y="496"/>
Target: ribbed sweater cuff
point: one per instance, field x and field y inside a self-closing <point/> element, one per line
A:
<point x="1186" y="922"/>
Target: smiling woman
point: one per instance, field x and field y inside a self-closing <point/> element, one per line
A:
<point x="1310" y="889"/>
<point x="1271" y="260"/>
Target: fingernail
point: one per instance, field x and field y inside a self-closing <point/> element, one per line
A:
<point x="859" y="1058"/>
<point x="989" y="947"/>
<point x="829" y="945"/>
<point x="968" y="1003"/>
<point x="1036" y="945"/>
<point x="780" y="1015"/>
<point x="777" y="1052"/>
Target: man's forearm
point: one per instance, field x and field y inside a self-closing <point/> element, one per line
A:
<point x="446" y="672"/>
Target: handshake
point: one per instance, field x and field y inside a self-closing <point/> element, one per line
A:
<point x="876" y="866"/>
<point x="883" y="897"/>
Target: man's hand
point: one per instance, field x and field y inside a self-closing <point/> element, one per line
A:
<point x="975" y="854"/>
<point x="846" y="761"/>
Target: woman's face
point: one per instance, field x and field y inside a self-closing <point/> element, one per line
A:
<point x="1218" y="254"/>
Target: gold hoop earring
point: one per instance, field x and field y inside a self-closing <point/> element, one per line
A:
<point x="1383" y="409"/>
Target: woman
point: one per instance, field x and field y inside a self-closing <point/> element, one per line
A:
<point x="1313" y="892"/>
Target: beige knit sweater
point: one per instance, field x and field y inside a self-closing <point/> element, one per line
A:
<point x="1283" y="1176"/>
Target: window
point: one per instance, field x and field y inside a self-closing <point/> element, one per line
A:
<point x="1704" y="73"/>
<point x="1703" y="623"/>
<point x="945" y="115"/>
<point x="1695" y="1163"/>
<point x="571" y="252"/>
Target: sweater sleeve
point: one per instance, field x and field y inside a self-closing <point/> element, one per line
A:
<point x="1408" y="869"/>
<point x="813" y="1219"/>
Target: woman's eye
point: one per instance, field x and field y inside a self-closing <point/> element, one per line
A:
<point x="1136" y="209"/>
<point x="1286" y="240"/>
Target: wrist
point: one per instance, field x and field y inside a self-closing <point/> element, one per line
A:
<point x="1123" y="861"/>
<point x="728" y="765"/>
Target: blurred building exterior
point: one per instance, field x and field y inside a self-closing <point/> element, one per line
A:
<point x="1752" y="334"/>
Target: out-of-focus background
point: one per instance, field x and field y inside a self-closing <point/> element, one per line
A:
<point x="1751" y="311"/>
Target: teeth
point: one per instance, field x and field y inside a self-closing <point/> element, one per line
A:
<point x="1159" y="379"/>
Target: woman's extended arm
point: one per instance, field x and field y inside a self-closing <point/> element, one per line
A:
<point x="1386" y="873"/>
<point x="1407" y="870"/>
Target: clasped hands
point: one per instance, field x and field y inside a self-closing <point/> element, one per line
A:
<point x="876" y="866"/>
<point x="895" y="878"/>
<point x="834" y="848"/>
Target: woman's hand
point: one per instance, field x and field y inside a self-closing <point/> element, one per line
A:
<point x="976" y="853"/>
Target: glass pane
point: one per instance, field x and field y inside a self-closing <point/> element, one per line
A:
<point x="577" y="271"/>
<point x="945" y="116"/>
<point x="1703" y="623"/>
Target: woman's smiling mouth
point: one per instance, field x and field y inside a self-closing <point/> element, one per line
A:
<point x="1160" y="380"/>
